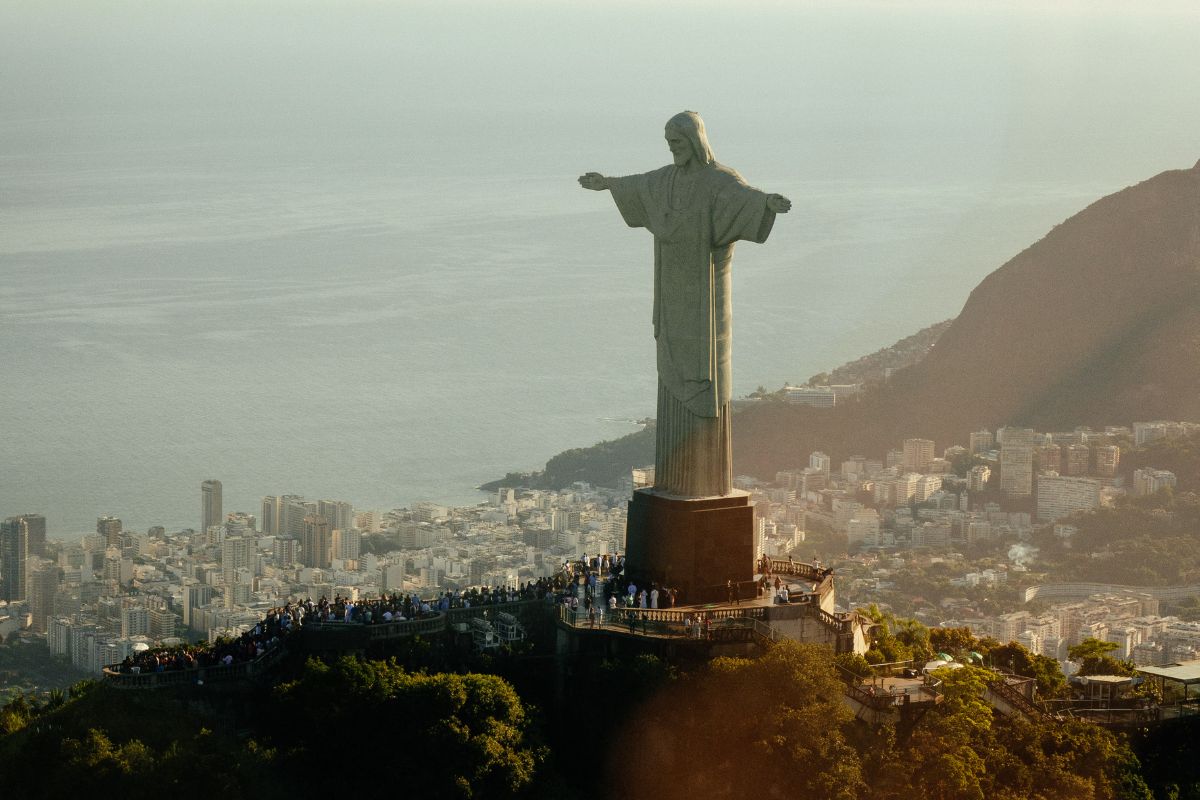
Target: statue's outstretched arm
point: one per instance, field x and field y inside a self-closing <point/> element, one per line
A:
<point x="594" y="181"/>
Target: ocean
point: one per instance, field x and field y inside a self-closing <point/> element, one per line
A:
<point x="293" y="297"/>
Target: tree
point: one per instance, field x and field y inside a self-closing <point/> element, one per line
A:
<point x="1094" y="658"/>
<point x="952" y="640"/>
<point x="1188" y="609"/>
<point x="450" y="735"/>
<point x="962" y="749"/>
<point x="776" y="723"/>
<point x="853" y="664"/>
<point x="106" y="763"/>
<point x="946" y="753"/>
<point x="896" y="639"/>
<point x="15" y="714"/>
<point x="962" y="463"/>
<point x="1044" y="670"/>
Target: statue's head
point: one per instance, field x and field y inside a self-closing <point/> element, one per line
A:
<point x="687" y="139"/>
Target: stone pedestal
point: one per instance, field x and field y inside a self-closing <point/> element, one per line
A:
<point x="694" y="545"/>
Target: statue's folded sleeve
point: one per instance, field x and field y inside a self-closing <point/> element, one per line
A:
<point x="740" y="212"/>
<point x="630" y="195"/>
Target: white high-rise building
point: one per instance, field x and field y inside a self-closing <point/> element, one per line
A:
<point x="195" y="596"/>
<point x="926" y="486"/>
<point x="339" y="513"/>
<point x="1148" y="481"/>
<point x="238" y="552"/>
<point x="1060" y="496"/>
<point x="1108" y="458"/>
<point x="907" y="486"/>
<point x="863" y="528"/>
<point x="135" y="621"/>
<point x="316" y="542"/>
<point x="917" y="455"/>
<point x="1146" y="432"/>
<point x="979" y="476"/>
<point x="347" y="543"/>
<point x="58" y="636"/>
<point x="854" y="467"/>
<point x="292" y="511"/>
<point x="285" y="551"/>
<point x="1016" y="461"/>
<point x="982" y="441"/>
<point x="1077" y="459"/>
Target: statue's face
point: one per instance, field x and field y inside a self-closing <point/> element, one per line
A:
<point x="680" y="147"/>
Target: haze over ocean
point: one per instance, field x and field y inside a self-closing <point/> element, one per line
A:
<point x="338" y="250"/>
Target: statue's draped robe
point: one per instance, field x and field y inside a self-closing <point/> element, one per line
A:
<point x="695" y="219"/>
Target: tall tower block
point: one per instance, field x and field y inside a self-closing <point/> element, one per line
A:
<point x="211" y="511"/>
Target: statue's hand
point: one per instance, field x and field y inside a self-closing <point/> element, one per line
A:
<point x="778" y="203"/>
<point x="594" y="181"/>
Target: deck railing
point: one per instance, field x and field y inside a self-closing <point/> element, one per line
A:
<point x="668" y="623"/>
<point x="432" y="622"/>
<point x="516" y="608"/>
<point x="927" y="692"/>
<point x="218" y="673"/>
<point x="800" y="569"/>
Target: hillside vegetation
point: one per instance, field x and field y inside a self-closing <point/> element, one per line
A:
<point x="776" y="723"/>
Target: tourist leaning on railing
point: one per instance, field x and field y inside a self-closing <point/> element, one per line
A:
<point x="264" y="636"/>
<point x="601" y="582"/>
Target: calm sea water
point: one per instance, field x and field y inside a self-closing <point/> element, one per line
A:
<point x="386" y="338"/>
<point x="318" y="261"/>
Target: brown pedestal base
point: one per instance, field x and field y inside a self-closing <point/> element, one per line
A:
<point x="693" y="545"/>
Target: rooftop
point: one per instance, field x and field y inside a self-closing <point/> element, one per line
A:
<point x="1187" y="672"/>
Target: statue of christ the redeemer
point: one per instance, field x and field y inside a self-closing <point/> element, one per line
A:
<point x="696" y="209"/>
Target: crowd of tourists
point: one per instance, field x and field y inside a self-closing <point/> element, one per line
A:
<point x="264" y="636"/>
<point x="594" y="586"/>
<point x="281" y="621"/>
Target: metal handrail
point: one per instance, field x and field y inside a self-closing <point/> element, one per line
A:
<point x="680" y="614"/>
<point x="460" y="614"/>
<point x="765" y="631"/>
<point x="1016" y="699"/>
<point x="644" y="622"/>
<point x="208" y="674"/>
<point x="429" y="623"/>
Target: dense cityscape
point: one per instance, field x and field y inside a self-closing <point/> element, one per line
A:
<point x="970" y="514"/>
<point x="287" y="286"/>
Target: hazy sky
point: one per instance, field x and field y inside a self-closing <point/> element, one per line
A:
<point x="338" y="248"/>
<point x="1012" y="88"/>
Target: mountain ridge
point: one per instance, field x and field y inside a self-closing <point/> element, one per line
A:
<point x="1095" y="323"/>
